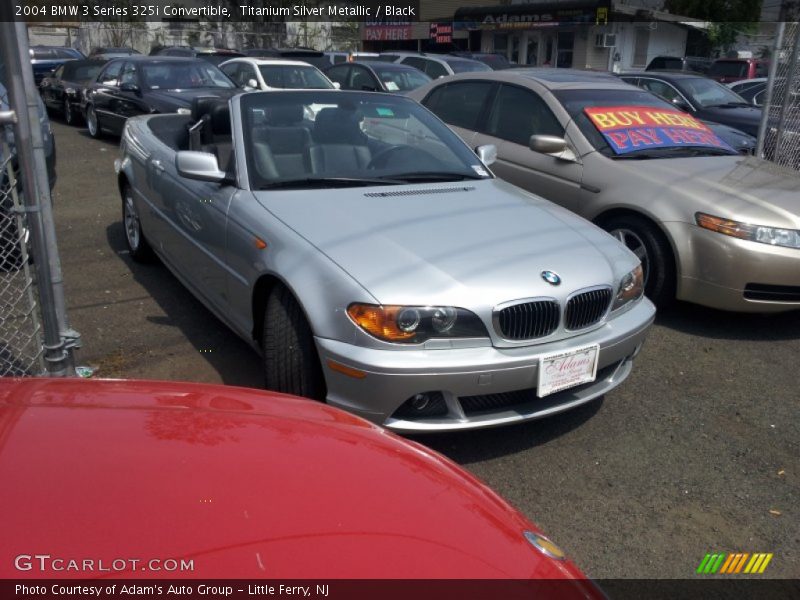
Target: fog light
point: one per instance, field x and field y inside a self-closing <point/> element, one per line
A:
<point x="420" y="402"/>
<point x="424" y="404"/>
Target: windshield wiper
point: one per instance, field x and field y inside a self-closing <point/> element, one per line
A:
<point x="730" y="105"/>
<point x="311" y="182"/>
<point x="673" y="152"/>
<point x="434" y="176"/>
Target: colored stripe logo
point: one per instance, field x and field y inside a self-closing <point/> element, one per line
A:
<point x="734" y="563"/>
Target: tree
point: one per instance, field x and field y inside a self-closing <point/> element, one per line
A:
<point x="740" y="18"/>
<point x="114" y="31"/>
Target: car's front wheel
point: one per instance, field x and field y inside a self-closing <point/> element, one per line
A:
<point x="137" y="244"/>
<point x="291" y="362"/>
<point x="92" y="123"/>
<point x="651" y="247"/>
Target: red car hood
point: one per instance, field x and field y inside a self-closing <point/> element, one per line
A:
<point x="245" y="483"/>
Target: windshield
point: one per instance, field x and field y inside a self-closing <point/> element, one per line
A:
<point x="496" y="61"/>
<point x="217" y="58"/>
<point x="295" y="77"/>
<point x="707" y="92"/>
<point x="670" y="130"/>
<point x="728" y="68"/>
<point x="467" y="66"/>
<point x="183" y="76"/>
<point x="328" y="138"/>
<point x="81" y="72"/>
<point x="401" y="80"/>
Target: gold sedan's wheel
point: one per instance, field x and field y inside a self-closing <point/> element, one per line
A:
<point x="651" y="247"/>
<point x="636" y="245"/>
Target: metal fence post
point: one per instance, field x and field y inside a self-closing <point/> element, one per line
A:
<point x="790" y="76"/>
<point x="58" y="338"/>
<point x="773" y="71"/>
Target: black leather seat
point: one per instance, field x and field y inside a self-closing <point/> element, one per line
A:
<point x="200" y="128"/>
<point x="217" y="137"/>
<point x="288" y="139"/>
<point x="339" y="144"/>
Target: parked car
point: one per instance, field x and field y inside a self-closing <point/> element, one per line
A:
<point x="710" y="226"/>
<point x="10" y="234"/>
<point x="726" y="70"/>
<point x="377" y="262"/>
<point x="65" y="90"/>
<point x="138" y="85"/>
<point x="45" y="59"/>
<point x="377" y="76"/>
<point x="752" y="90"/>
<point x="496" y="61"/>
<point x="337" y="58"/>
<point x="438" y="65"/>
<point x="308" y="55"/>
<point x="271" y="74"/>
<point x="112" y="52"/>
<point x="694" y="64"/>
<point x="701" y="97"/>
<point x="213" y="55"/>
<point x="316" y="493"/>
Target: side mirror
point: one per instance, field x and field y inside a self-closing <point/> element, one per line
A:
<point x="487" y="153"/>
<point x="202" y="166"/>
<point x="252" y="84"/>
<point x="337" y="85"/>
<point x="368" y="88"/>
<point x="547" y="144"/>
<point x="129" y="87"/>
<point x="680" y="103"/>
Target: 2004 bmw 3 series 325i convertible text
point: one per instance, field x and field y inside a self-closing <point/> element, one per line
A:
<point x="377" y="263"/>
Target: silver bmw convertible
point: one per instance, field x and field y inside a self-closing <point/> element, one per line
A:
<point x="375" y="261"/>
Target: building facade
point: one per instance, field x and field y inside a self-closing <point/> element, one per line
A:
<point x="608" y="35"/>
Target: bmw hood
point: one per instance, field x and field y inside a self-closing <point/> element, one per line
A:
<point x="171" y="100"/>
<point x="474" y="243"/>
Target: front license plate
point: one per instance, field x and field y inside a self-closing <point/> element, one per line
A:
<point x="563" y="370"/>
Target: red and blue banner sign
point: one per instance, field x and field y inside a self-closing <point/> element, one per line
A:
<point x="632" y="128"/>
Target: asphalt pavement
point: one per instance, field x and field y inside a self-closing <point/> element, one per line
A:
<point x="698" y="451"/>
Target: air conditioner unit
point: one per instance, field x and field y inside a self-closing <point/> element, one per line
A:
<point x="605" y="40"/>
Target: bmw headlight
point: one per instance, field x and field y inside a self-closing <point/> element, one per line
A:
<point x="774" y="236"/>
<point x="630" y="288"/>
<point x="415" y="324"/>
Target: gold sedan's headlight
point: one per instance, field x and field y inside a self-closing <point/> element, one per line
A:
<point x="774" y="236"/>
<point x="630" y="288"/>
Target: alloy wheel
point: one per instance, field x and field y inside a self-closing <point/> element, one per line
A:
<point x="635" y="244"/>
<point x="131" y="222"/>
<point x="91" y="122"/>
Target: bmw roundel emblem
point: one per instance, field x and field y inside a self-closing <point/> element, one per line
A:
<point x="551" y="278"/>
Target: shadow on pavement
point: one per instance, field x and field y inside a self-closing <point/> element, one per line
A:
<point x="466" y="447"/>
<point x="230" y="356"/>
<point x="717" y="324"/>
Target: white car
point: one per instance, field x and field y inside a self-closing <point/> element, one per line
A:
<point x="271" y="74"/>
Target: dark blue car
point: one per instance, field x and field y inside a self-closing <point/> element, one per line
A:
<point x="46" y="59"/>
<point x="139" y="85"/>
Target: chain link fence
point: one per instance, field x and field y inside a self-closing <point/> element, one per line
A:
<point x="146" y="36"/>
<point x="781" y="127"/>
<point x="21" y="340"/>
<point x="35" y="337"/>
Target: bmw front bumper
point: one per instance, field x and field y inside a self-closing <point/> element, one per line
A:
<point x="502" y="379"/>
